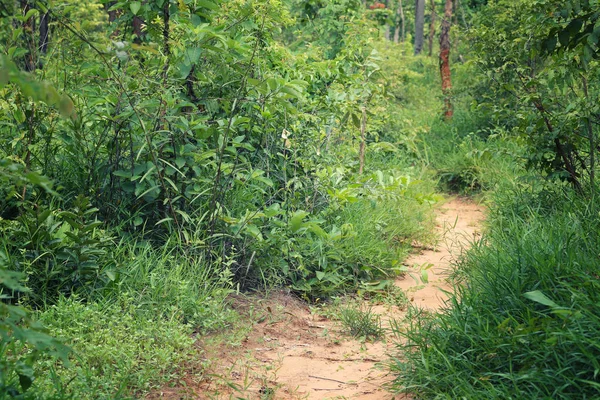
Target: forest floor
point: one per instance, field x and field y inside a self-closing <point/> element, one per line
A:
<point x="290" y="350"/>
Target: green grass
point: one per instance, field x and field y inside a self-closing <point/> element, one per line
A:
<point x="137" y="333"/>
<point x="119" y="351"/>
<point x="361" y="322"/>
<point x="525" y="323"/>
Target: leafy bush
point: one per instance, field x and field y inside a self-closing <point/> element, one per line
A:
<point x="358" y="241"/>
<point x="23" y="341"/>
<point x="60" y="252"/>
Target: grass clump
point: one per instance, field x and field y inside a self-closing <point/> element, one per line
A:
<point x="525" y="323"/>
<point x="361" y="323"/>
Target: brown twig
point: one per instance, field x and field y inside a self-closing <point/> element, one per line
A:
<point x="331" y="380"/>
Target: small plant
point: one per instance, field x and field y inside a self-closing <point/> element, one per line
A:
<point x="361" y="323"/>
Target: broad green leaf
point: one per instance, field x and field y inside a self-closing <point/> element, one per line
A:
<point x="135" y="6"/>
<point x="110" y="274"/>
<point x="66" y="106"/>
<point x="31" y="13"/>
<point x="207" y="4"/>
<point x="192" y="54"/>
<point x="296" y="221"/>
<point x="540" y="298"/>
<point x="563" y="37"/>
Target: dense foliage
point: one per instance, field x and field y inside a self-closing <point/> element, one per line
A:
<point x="157" y="156"/>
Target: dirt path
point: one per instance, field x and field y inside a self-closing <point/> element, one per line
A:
<point x="294" y="352"/>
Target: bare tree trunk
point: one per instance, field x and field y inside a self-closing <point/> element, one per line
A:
<point x="44" y="32"/>
<point x="112" y="17"/>
<point x="363" y="140"/>
<point x="28" y="33"/>
<point x="432" y="27"/>
<point x="419" y="25"/>
<point x="591" y="139"/>
<point x="137" y="28"/>
<point x="445" y="60"/>
<point x="462" y="13"/>
<point x="387" y="25"/>
<point x="400" y="24"/>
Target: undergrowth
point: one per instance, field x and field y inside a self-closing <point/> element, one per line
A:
<point x="524" y="322"/>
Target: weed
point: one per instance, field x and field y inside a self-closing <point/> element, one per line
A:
<point x="363" y="323"/>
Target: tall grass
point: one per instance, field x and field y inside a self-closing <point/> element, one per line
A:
<point x="525" y="323"/>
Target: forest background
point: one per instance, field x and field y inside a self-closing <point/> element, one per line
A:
<point x="158" y="156"/>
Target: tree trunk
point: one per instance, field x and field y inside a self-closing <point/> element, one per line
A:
<point x="419" y="25"/>
<point x="28" y="26"/>
<point x="363" y="141"/>
<point x="44" y="32"/>
<point x="112" y="14"/>
<point x="591" y="138"/>
<point x="137" y="29"/>
<point x="399" y="23"/>
<point x="432" y="27"/>
<point x="445" y="60"/>
<point x="388" y="29"/>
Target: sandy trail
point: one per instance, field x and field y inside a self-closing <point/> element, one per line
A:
<point x="294" y="353"/>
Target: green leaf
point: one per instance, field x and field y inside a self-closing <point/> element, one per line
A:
<point x="355" y="120"/>
<point x="575" y="26"/>
<point x="110" y="274"/>
<point x="424" y="276"/>
<point x="192" y="54"/>
<point x="66" y="106"/>
<point x="588" y="53"/>
<point x="184" y="69"/>
<point x="541" y="298"/>
<point x="563" y="37"/>
<point x="296" y="221"/>
<point x="4" y="76"/>
<point x="31" y="13"/>
<point x="25" y="381"/>
<point x="207" y="4"/>
<point x="550" y="44"/>
<point x="254" y="232"/>
<point x="135" y="6"/>
<point x="320" y="275"/>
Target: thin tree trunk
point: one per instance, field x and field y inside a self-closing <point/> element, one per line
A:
<point x="419" y="25"/>
<point x="388" y="29"/>
<point x="112" y="17"/>
<point x="44" y="32"/>
<point x="28" y="33"/>
<point x="445" y="60"/>
<point x="137" y="28"/>
<point x="432" y="27"/>
<point x="591" y="139"/>
<point x="399" y="23"/>
<point x="166" y="28"/>
<point x="363" y="140"/>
